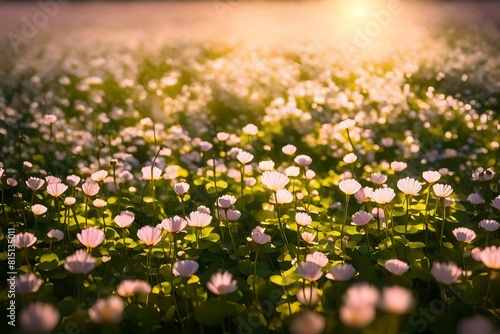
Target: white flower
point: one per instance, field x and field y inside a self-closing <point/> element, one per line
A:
<point x="274" y="180"/>
<point x="442" y="190"/>
<point x="431" y="176"/>
<point x="244" y="157"/>
<point x="409" y="186"/>
<point x="383" y="195"/>
<point x="283" y="196"/>
<point x="151" y="173"/>
<point x="349" y="186"/>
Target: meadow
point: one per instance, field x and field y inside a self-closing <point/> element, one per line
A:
<point x="238" y="170"/>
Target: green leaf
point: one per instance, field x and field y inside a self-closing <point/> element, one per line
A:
<point x="48" y="262"/>
<point x="416" y="244"/>
<point x="283" y="280"/>
<point x="213" y="311"/>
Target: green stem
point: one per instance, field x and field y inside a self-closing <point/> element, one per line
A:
<point x="86" y="209"/>
<point x="442" y="225"/>
<point x="345" y="216"/>
<point x="283" y="235"/>
<point x="256" y="296"/>
<point x="242" y="181"/>
<point x="25" y="253"/>
<point x="229" y="227"/>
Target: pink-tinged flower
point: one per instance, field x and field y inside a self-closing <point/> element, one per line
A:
<point x="91" y="237"/>
<point x="318" y="258"/>
<point x="289" y="149"/>
<point x="267" y="165"/>
<point x="244" y="157"/>
<point x="107" y="310"/>
<point x="250" y="181"/>
<point x="308" y="322"/>
<point x="496" y="202"/>
<point x="476" y="253"/>
<point x="35" y="183"/>
<point x="203" y="209"/>
<point x="39" y="317"/>
<point x="174" y="224"/>
<point x="149" y="235"/>
<point x="398" y="166"/>
<point x="11" y="182"/>
<point x="52" y="179"/>
<point x="357" y="316"/>
<point x="124" y="219"/>
<point x="90" y="188"/>
<point x="185" y="268"/>
<point x="341" y="272"/>
<point x="99" y="176"/>
<point x="308" y="296"/>
<point x="308" y="237"/>
<point x="442" y="190"/>
<point x="251" y="129"/>
<point x="378" y="178"/>
<point x="230" y="214"/>
<point x="129" y="288"/>
<point x="409" y="186"/>
<point x="274" y="180"/>
<point x="378" y="213"/>
<point x="446" y="273"/>
<point x="396" y="300"/>
<point x="69" y="201"/>
<point x="475" y="324"/>
<point x="431" y="176"/>
<point x="56" y="235"/>
<point x="73" y="180"/>
<point x="226" y="201"/>
<point x="364" y="195"/>
<point x="259" y="237"/>
<point x="38" y="210"/>
<point x="24" y="240"/>
<point x="199" y="219"/>
<point x="50" y="119"/>
<point x="349" y="158"/>
<point x="489" y="225"/>
<point x="475" y="199"/>
<point x="99" y="203"/>
<point x="56" y="189"/>
<point x="396" y="267"/>
<point x="361" y="294"/>
<point x="222" y="136"/>
<point x="358" y="309"/>
<point x="80" y="262"/>
<point x="346" y="124"/>
<point x="490" y="256"/>
<point x="282" y="196"/>
<point x="303" y="160"/>
<point x="349" y="186"/>
<point x="310" y="271"/>
<point x="205" y="146"/>
<point x="303" y="219"/>
<point x="222" y="283"/>
<point x="383" y="195"/>
<point x="151" y="173"/>
<point x="181" y="188"/>
<point x="464" y="234"/>
<point x="480" y="174"/>
<point x="292" y="171"/>
<point x="28" y="283"/>
<point x="361" y="218"/>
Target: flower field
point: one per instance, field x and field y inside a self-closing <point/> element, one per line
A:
<point x="238" y="187"/>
